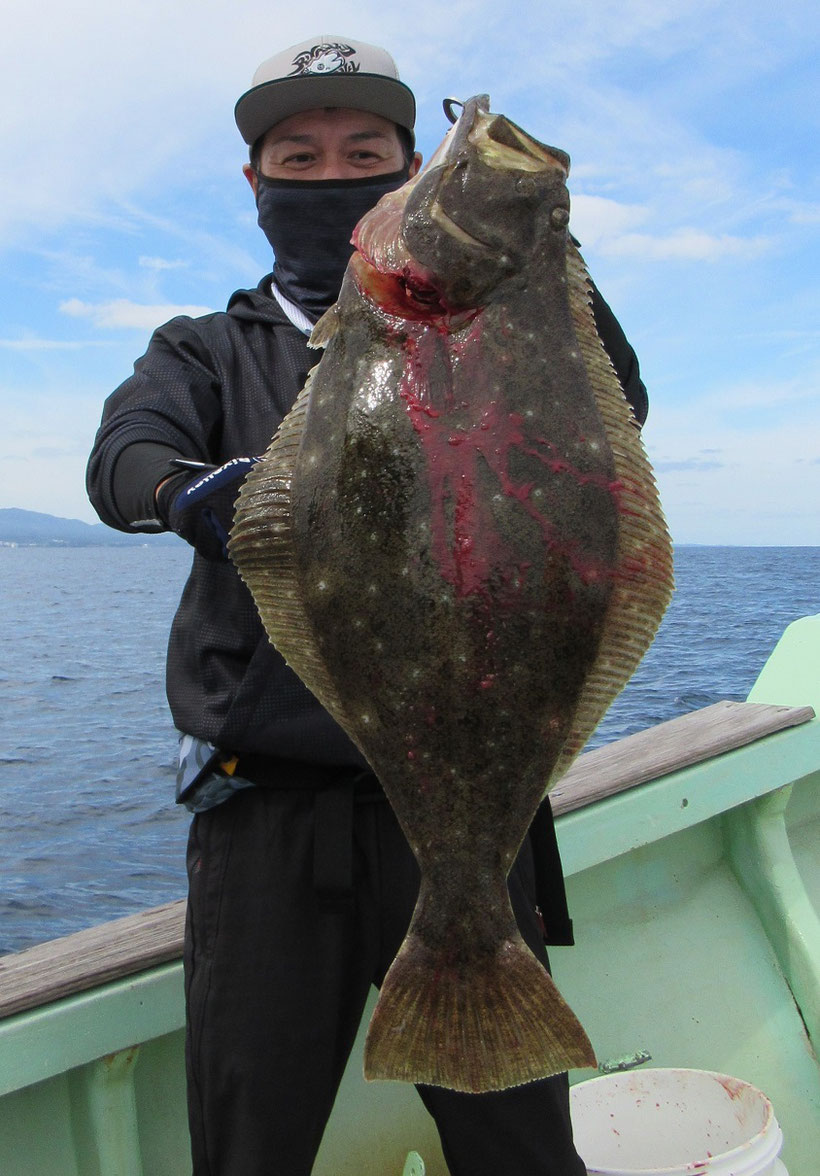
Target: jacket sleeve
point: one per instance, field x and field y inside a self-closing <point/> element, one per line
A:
<point x="170" y="407"/>
<point x="623" y="358"/>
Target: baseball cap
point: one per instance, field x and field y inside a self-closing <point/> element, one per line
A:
<point x="327" y="70"/>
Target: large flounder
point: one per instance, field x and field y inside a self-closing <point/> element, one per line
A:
<point x="456" y="541"/>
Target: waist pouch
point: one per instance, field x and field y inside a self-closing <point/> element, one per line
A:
<point x="206" y="775"/>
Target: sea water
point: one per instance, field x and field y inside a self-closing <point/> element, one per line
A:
<point x="88" y="826"/>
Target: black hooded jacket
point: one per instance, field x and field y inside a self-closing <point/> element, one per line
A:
<point x="209" y="389"/>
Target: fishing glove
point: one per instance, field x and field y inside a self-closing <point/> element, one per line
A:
<point x="200" y="509"/>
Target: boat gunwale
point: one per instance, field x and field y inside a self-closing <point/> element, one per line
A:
<point x="62" y="968"/>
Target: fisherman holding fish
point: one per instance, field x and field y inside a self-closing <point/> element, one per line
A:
<point x="301" y="882"/>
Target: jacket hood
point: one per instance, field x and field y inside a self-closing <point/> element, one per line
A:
<point x="257" y="305"/>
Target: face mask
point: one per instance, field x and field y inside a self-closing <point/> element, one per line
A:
<point x="309" y="224"/>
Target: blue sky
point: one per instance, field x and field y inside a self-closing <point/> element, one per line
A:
<point x="693" y="130"/>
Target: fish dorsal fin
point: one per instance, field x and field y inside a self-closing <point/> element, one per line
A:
<point x="644" y="558"/>
<point x="261" y="545"/>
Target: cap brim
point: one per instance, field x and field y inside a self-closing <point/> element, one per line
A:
<point x="264" y="106"/>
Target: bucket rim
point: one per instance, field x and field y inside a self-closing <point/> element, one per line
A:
<point x="771" y="1153"/>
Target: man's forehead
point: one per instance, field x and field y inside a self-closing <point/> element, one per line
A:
<point x="353" y="124"/>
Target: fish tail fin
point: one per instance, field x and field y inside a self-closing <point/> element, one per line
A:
<point x="500" y="1022"/>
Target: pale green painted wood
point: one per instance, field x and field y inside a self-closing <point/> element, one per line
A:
<point x="803" y="824"/>
<point x="672" y="960"/>
<point x="763" y="861"/>
<point x="36" y="1131"/>
<point x="791" y="676"/>
<point x="683" y="799"/>
<point x="38" y="1044"/>
<point x="104" y="1116"/>
<point x="161" y="1105"/>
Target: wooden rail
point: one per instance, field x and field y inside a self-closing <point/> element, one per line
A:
<point x="115" y="950"/>
<point x="669" y="747"/>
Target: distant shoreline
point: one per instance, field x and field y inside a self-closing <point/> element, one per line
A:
<point x="31" y="528"/>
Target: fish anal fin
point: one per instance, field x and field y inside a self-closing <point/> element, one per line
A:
<point x="500" y="1023"/>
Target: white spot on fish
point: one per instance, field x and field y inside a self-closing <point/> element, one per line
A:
<point x="322" y="585"/>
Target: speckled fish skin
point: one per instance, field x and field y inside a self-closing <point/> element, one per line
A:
<point x="455" y="540"/>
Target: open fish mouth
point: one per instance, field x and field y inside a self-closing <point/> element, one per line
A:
<point x="408" y="292"/>
<point x="501" y="144"/>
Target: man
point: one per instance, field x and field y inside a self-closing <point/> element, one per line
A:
<point x="301" y="883"/>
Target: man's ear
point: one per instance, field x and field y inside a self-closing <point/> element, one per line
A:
<point x="415" y="163"/>
<point x="250" y="176"/>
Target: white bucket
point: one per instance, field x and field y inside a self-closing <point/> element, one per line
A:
<point x="671" y="1122"/>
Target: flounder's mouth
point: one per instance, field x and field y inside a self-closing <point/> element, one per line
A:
<point x="504" y="146"/>
<point x="407" y="294"/>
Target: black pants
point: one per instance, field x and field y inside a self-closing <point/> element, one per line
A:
<point x="276" y="981"/>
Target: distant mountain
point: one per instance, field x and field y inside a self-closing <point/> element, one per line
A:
<point x="29" y="528"/>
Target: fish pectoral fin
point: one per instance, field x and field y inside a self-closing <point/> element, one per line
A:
<point x="500" y="1023"/>
<point x="325" y="329"/>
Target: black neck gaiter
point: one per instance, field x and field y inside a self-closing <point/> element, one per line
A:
<point x="309" y="224"/>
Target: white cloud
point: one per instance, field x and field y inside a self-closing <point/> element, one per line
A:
<point x="607" y="225"/>
<point x="120" y="312"/>
<point x="161" y="263"/>
<point x="596" y="219"/>
<point x="685" y="244"/>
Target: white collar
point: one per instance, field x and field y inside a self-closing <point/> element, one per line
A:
<point x="295" y="313"/>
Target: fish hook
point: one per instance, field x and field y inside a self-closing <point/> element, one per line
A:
<point x="448" y="105"/>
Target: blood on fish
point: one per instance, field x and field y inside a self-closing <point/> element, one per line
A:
<point x="469" y="548"/>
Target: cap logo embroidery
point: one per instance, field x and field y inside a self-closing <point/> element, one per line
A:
<point x="324" y="59"/>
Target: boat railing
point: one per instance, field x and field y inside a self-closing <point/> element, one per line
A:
<point x="125" y="947"/>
